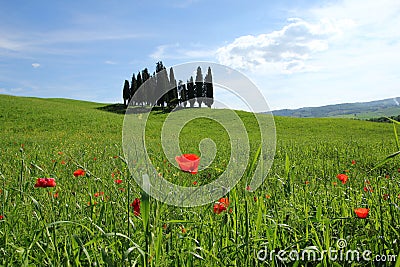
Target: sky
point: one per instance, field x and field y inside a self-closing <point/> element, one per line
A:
<point x="298" y="53"/>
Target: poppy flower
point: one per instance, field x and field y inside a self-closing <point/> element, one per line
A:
<point x="353" y="162"/>
<point x="118" y="181"/>
<point x="361" y="213"/>
<point x="267" y="196"/>
<point x="334" y="184"/>
<point x="136" y="206"/>
<point x="307" y="182"/>
<point x="224" y="200"/>
<point x="368" y="189"/>
<point x="342" y="177"/>
<point x="1" y="217"/>
<point x="79" y="172"/>
<point x="195" y="183"/>
<point x="219" y="207"/>
<point x="183" y="230"/>
<point x="62" y="162"/>
<point x="385" y="196"/>
<point x="188" y="162"/>
<point x="97" y="194"/>
<point x="90" y="204"/>
<point x="59" y="153"/>
<point x="45" y="182"/>
<point x="248" y="188"/>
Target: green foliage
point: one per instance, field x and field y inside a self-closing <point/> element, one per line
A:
<point x="74" y="224"/>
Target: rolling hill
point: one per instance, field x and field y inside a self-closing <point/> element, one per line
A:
<point x="361" y="110"/>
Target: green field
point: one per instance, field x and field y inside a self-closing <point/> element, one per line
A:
<point x="89" y="221"/>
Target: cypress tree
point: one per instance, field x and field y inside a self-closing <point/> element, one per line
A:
<point x="161" y="83"/>
<point x="191" y="92"/>
<point x="139" y="97"/>
<point x="146" y="91"/>
<point x="199" y="86"/>
<point x="183" y="92"/>
<point x="209" y="88"/>
<point x="173" y="90"/>
<point x="125" y="92"/>
<point x="133" y="88"/>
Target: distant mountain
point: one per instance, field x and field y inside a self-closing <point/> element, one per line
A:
<point x="361" y="110"/>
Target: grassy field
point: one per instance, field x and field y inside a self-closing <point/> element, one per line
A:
<point x="89" y="220"/>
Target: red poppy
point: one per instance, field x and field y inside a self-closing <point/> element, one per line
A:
<point x="267" y="196"/>
<point x="195" y="183"/>
<point x="307" y="182"/>
<point x="1" y="217"/>
<point x="248" y="188"/>
<point x="361" y="213"/>
<point x="59" y="153"/>
<point x="45" y="182"/>
<point x="79" y="172"/>
<point x="386" y="196"/>
<point x="136" y="206"/>
<point x="183" y="229"/>
<point x="353" y="162"/>
<point x="94" y="158"/>
<point x="368" y="189"/>
<point x="188" y="162"/>
<point x="118" y="181"/>
<point x="398" y="170"/>
<point x="97" y="194"/>
<point x="342" y="177"/>
<point x="219" y="207"/>
<point x="62" y="162"/>
<point x="334" y="184"/>
<point x="224" y="200"/>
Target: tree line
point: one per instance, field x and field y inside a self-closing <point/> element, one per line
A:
<point x="198" y="90"/>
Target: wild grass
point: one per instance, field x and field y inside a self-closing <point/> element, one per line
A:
<point x="88" y="220"/>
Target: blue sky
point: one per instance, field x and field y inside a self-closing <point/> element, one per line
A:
<point x="299" y="53"/>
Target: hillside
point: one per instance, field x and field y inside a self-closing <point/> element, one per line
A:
<point x="95" y="212"/>
<point x="50" y="120"/>
<point x="361" y="110"/>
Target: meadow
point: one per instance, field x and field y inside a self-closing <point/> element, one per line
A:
<point x="93" y="218"/>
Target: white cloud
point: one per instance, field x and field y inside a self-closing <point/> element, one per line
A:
<point x="176" y="51"/>
<point x="287" y="49"/>
<point x="35" y="65"/>
<point x="343" y="51"/>
<point x="110" y="62"/>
